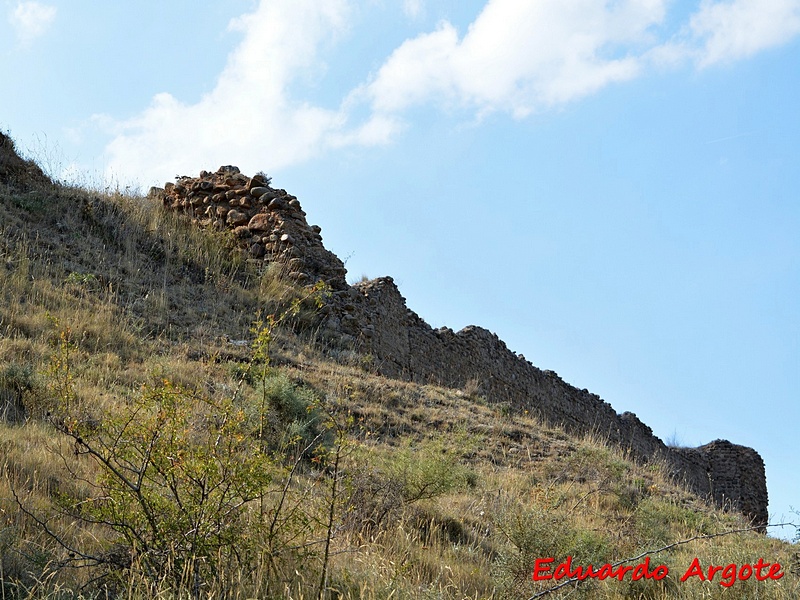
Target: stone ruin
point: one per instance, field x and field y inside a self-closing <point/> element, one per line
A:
<point x="267" y="223"/>
<point x="372" y="318"/>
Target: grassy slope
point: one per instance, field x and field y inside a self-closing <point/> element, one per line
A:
<point x="440" y="495"/>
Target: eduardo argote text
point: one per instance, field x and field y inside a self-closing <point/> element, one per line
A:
<point x="725" y="575"/>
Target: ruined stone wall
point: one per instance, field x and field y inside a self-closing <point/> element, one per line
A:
<point x="732" y="475"/>
<point x="405" y="346"/>
<point x="268" y="223"/>
<point x="373" y="318"/>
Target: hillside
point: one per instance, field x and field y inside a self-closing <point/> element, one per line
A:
<point x="187" y="411"/>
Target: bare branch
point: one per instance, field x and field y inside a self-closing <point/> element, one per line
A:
<point x="46" y="528"/>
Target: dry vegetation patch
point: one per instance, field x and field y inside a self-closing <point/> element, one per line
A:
<point x="129" y="341"/>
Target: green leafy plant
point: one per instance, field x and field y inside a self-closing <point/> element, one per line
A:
<point x="181" y="480"/>
<point x="175" y="475"/>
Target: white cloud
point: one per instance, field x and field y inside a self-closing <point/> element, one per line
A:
<point x="250" y="118"/>
<point x="728" y="31"/>
<point x="31" y="20"/>
<point x="519" y="56"/>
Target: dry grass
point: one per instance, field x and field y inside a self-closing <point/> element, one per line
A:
<point x="441" y="494"/>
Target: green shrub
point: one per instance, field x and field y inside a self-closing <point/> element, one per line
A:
<point x="287" y="415"/>
<point x="534" y="531"/>
<point x="176" y="475"/>
<point x="427" y="472"/>
<point x="382" y="485"/>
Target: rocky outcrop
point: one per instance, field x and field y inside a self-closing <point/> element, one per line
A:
<point x="372" y="317"/>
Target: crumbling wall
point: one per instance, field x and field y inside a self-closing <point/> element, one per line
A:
<point x="405" y="346"/>
<point x="373" y="318"/>
<point x="268" y="223"/>
<point x="732" y="475"/>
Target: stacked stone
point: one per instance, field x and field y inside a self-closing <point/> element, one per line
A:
<point x="735" y="477"/>
<point x="267" y="223"/>
<point x="403" y="345"/>
<point x="373" y="318"/>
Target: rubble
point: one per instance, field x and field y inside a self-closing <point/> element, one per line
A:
<point x="268" y="224"/>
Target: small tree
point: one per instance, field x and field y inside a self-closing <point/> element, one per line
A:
<point x="176" y="474"/>
<point x="191" y="487"/>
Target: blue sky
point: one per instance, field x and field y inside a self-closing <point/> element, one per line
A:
<point x="612" y="187"/>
